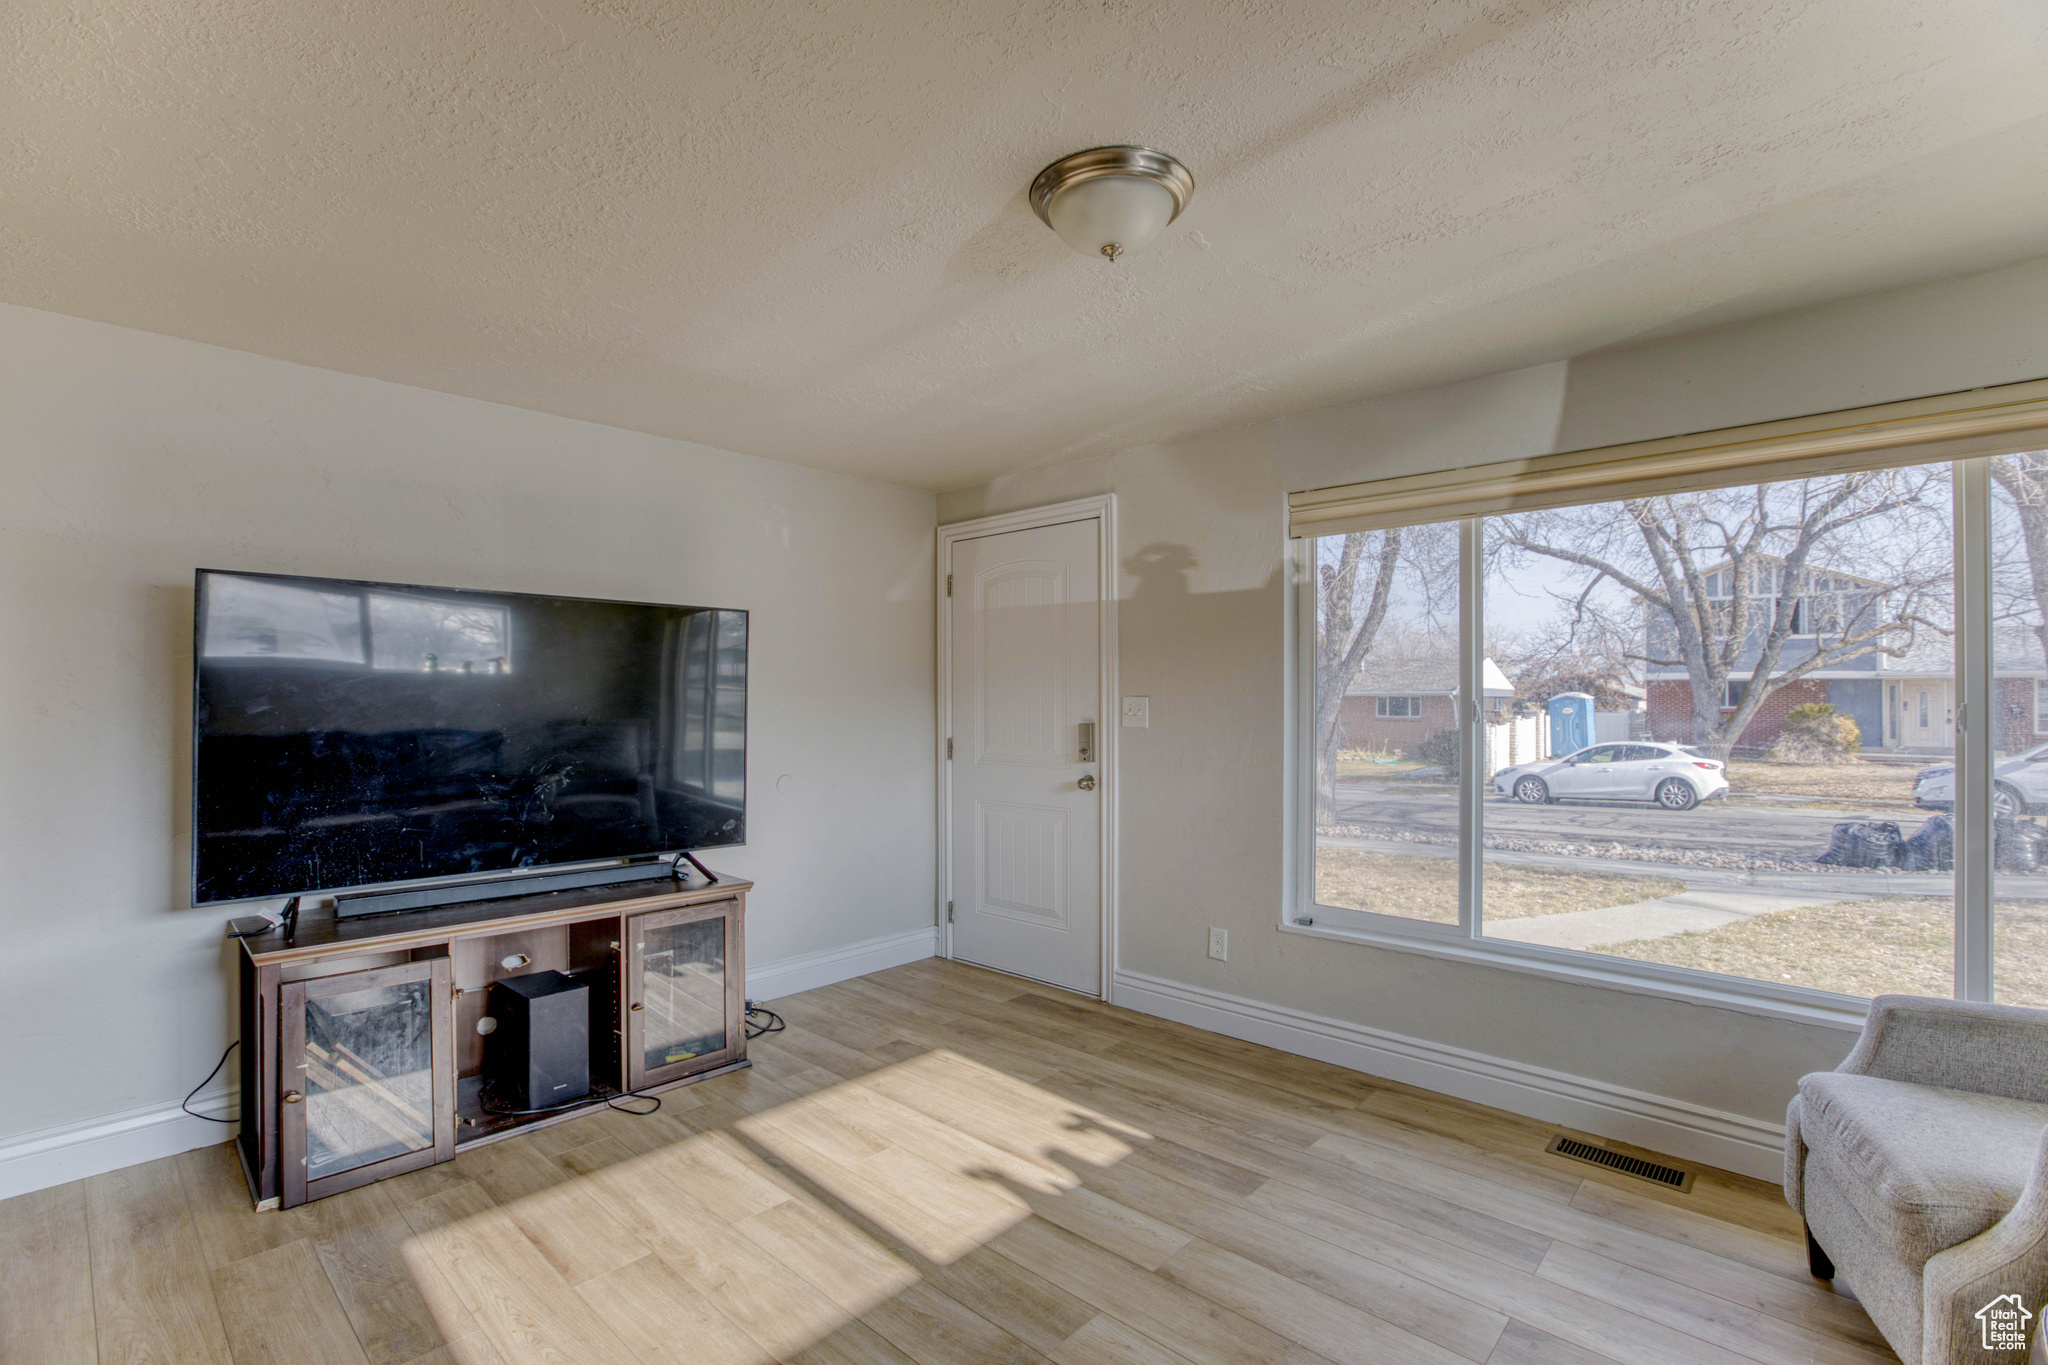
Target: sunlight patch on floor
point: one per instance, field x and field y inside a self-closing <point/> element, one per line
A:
<point x="775" y="1231"/>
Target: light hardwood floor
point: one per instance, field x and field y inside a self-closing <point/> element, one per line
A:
<point x="940" y="1164"/>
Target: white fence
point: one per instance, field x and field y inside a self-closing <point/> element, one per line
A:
<point x="1526" y="739"/>
<point x="1610" y="726"/>
<point x="1523" y="739"/>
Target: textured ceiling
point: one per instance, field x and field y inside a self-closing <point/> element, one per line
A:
<point x="799" y="229"/>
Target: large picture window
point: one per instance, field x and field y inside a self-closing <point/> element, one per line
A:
<point x="1709" y="734"/>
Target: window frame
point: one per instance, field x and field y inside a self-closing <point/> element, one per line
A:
<point x="1412" y="705"/>
<point x="1465" y="941"/>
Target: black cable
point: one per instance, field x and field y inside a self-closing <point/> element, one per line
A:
<point x="186" y="1103"/>
<point x="484" y="1103"/>
<point x="756" y="1031"/>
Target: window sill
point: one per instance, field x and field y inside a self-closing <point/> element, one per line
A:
<point x="1797" y="1004"/>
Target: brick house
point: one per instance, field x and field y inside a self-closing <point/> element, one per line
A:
<point x="1395" y="703"/>
<point x="1904" y="703"/>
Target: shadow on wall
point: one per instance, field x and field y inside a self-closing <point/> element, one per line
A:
<point x="170" y="637"/>
<point x="1202" y="834"/>
<point x="1162" y="568"/>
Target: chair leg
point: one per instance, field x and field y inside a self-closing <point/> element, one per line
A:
<point x="1817" y="1260"/>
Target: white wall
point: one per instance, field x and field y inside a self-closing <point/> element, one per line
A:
<point x="1202" y="619"/>
<point x="128" y="459"/>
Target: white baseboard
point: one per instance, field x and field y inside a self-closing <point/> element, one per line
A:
<point x="792" y="975"/>
<point x="54" y="1156"/>
<point x="1734" y="1142"/>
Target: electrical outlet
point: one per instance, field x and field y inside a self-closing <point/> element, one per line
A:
<point x="1219" y="943"/>
<point x="1137" y="712"/>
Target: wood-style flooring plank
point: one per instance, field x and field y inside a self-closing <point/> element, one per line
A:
<point x="1582" y="1319"/>
<point x="279" y="1309"/>
<point x="521" y="1304"/>
<point x="219" y="1199"/>
<point x="938" y="1164"/>
<point x="46" y="1308"/>
<point x="655" y="1311"/>
<point x="579" y="1239"/>
<point x="1452" y="1321"/>
<point x="1692" y="1310"/>
<point x="1522" y="1344"/>
<point x="398" y="1302"/>
<point x="1106" y="1341"/>
<point x="474" y="1349"/>
<point x="854" y="1344"/>
<point x="152" y="1301"/>
<point x="1184" y="1321"/>
<point x="1329" y="1326"/>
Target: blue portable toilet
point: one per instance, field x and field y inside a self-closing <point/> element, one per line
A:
<point x="1571" y="722"/>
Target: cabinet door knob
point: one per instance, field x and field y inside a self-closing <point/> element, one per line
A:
<point x="293" y="1097"/>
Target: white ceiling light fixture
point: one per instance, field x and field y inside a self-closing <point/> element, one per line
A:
<point x="1110" y="201"/>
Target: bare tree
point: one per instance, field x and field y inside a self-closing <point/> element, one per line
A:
<point x="1731" y="571"/>
<point x="1598" y="652"/>
<point x="2023" y="479"/>
<point x="1344" y="638"/>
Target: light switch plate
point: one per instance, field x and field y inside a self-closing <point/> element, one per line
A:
<point x="1138" y="712"/>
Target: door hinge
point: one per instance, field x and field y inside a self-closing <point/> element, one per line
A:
<point x="949" y="585"/>
<point x="949" y="912"/>
<point x="949" y="748"/>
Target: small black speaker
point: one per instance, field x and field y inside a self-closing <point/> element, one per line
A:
<point x="539" y="1055"/>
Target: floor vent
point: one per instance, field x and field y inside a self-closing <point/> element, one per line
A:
<point x="1671" y="1177"/>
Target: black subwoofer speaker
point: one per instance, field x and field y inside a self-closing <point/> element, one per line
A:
<point x="539" y="1055"/>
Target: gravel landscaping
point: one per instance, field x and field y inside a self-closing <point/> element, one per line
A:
<point x="1633" y="852"/>
<point x="1890" y="945"/>
<point x="1418" y="886"/>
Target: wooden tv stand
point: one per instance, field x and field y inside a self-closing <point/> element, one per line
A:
<point x="362" y="1055"/>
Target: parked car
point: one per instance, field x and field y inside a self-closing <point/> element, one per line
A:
<point x="2020" y="784"/>
<point x="1671" y="775"/>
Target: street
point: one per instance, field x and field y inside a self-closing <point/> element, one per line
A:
<point x="1790" y="831"/>
<point x="1713" y="896"/>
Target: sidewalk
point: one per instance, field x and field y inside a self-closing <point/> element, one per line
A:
<point x="1691" y="911"/>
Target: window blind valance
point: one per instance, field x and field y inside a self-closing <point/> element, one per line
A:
<point x="1991" y="421"/>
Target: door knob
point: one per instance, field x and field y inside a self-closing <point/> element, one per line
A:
<point x="1088" y="782"/>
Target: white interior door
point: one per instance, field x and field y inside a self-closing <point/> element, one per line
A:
<point x="1026" y="666"/>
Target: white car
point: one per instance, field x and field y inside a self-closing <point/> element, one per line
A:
<point x="1671" y="775"/>
<point x="2021" y="784"/>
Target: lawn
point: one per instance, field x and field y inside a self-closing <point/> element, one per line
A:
<point x="1890" y="945"/>
<point x="1834" y="781"/>
<point x="1360" y="763"/>
<point x="1420" y="887"/>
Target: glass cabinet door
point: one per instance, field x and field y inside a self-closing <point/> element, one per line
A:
<point x="367" y="1084"/>
<point x="683" y="987"/>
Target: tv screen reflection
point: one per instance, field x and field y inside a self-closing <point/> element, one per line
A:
<point x="349" y="734"/>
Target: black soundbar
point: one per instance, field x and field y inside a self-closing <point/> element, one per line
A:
<point x="498" y="888"/>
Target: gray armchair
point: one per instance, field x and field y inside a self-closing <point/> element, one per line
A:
<point x="1919" y="1167"/>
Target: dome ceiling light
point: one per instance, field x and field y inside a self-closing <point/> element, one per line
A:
<point x="1108" y="201"/>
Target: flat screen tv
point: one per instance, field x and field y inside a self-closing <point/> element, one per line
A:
<point x="350" y="735"/>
